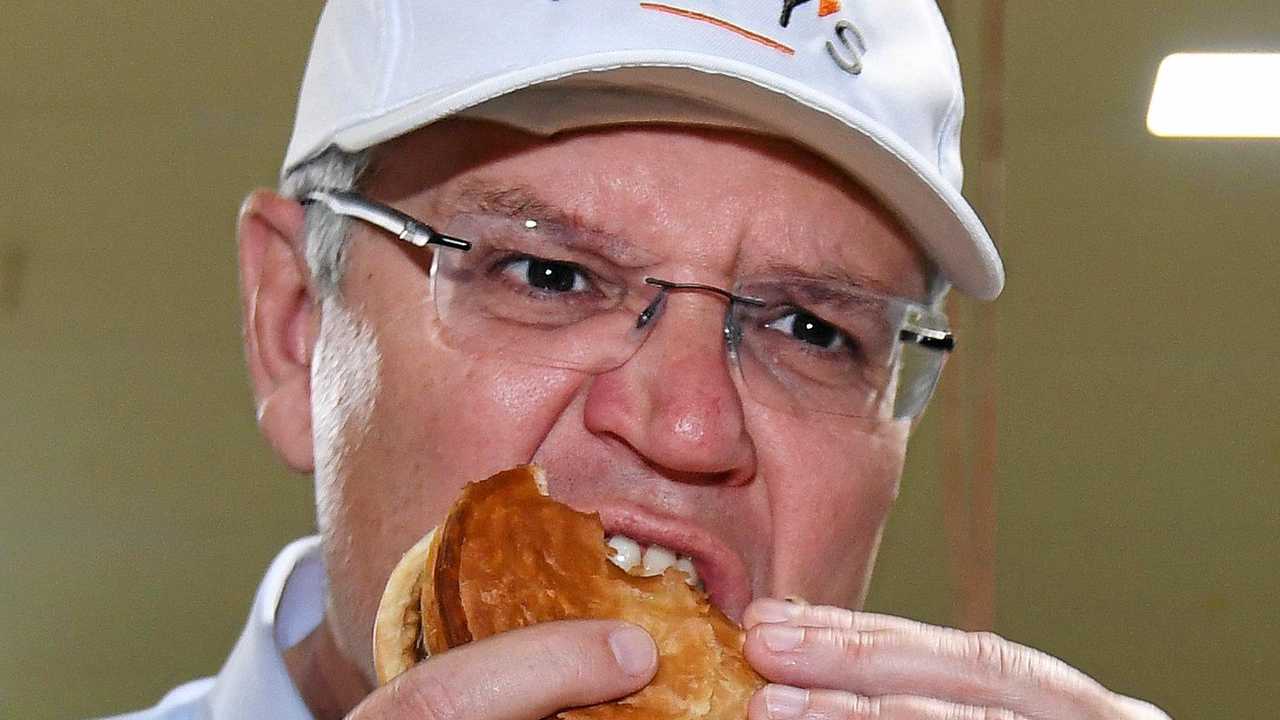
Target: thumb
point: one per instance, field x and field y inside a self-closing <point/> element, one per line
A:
<point x="525" y="674"/>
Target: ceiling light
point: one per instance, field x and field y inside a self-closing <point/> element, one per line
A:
<point x="1216" y="95"/>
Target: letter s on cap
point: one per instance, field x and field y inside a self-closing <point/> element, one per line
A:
<point x="850" y="37"/>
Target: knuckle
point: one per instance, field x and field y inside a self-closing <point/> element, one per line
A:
<point x="572" y="661"/>
<point x="871" y="708"/>
<point x="432" y="699"/>
<point x="1009" y="662"/>
<point x="853" y="646"/>
<point x="993" y="653"/>
<point x="997" y="714"/>
<point x="970" y="712"/>
<point x="553" y="654"/>
<point x="830" y="616"/>
<point x="858" y="707"/>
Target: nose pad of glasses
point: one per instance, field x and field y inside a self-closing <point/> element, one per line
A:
<point x="732" y="332"/>
<point x="650" y="311"/>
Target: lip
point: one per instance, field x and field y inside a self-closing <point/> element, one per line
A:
<point x="721" y="570"/>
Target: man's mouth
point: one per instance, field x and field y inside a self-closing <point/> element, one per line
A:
<point x="644" y="540"/>
<point x="644" y="544"/>
<point x="648" y="560"/>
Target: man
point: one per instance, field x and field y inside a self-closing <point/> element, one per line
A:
<point x="685" y="256"/>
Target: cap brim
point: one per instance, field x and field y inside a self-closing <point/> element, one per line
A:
<point x="716" y="91"/>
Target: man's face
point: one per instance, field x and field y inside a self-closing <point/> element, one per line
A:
<point x="670" y="447"/>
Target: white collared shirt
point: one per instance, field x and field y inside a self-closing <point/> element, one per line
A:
<point x="254" y="683"/>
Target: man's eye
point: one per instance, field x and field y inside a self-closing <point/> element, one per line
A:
<point x="810" y="329"/>
<point x="547" y="275"/>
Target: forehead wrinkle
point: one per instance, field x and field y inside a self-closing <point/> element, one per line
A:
<point x="520" y="201"/>
<point x="829" y="275"/>
<point x="883" y="278"/>
<point x="852" y="249"/>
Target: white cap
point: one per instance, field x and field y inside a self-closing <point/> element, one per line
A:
<point x="871" y="85"/>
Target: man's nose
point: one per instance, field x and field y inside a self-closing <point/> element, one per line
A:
<point x="676" y="402"/>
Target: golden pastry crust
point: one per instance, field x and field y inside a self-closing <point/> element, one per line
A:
<point x="397" y="627"/>
<point x="508" y="556"/>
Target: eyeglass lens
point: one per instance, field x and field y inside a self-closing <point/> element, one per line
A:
<point x="803" y="348"/>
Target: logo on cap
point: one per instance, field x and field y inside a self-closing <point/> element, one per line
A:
<point x="825" y="8"/>
<point x="846" y="50"/>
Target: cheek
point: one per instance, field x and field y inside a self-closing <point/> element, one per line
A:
<point x="473" y="416"/>
<point x="438" y="419"/>
<point x="441" y="420"/>
<point x="523" y="391"/>
<point x="828" y="517"/>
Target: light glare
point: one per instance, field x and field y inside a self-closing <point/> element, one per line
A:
<point x="1216" y="95"/>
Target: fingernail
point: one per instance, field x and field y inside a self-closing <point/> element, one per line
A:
<point x="633" y="649"/>
<point x="780" y="638"/>
<point x="784" y="701"/>
<point x="769" y="610"/>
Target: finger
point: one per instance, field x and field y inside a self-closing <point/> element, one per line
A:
<point x="783" y="702"/>
<point x="524" y="674"/>
<point x="782" y="611"/>
<point x="979" y="669"/>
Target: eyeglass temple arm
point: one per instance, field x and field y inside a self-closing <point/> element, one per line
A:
<point x="393" y="221"/>
<point x="932" y="339"/>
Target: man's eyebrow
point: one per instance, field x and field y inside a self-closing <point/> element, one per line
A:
<point x="522" y="202"/>
<point x="517" y="201"/>
<point x="832" y="280"/>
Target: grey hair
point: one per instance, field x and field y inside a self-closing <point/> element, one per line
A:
<point x="326" y="232"/>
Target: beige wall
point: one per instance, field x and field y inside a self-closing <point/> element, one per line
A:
<point x="1139" y="506"/>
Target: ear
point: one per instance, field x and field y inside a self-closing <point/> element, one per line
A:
<point x="280" y="322"/>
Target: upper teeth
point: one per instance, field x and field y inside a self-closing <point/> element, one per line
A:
<point x="652" y="560"/>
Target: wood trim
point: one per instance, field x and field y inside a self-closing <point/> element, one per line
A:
<point x="970" y="400"/>
<point x="982" y="605"/>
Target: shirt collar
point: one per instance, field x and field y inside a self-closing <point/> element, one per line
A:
<point x="289" y="604"/>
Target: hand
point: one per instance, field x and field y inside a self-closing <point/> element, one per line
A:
<point x="835" y="663"/>
<point x="524" y="674"/>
